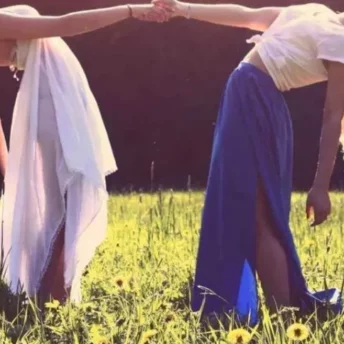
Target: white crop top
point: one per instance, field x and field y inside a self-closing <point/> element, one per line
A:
<point x="294" y="46"/>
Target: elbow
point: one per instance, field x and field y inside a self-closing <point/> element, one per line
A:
<point x="332" y="122"/>
<point x="73" y="24"/>
<point x="333" y="116"/>
<point x="64" y="26"/>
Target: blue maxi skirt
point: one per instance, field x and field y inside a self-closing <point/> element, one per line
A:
<point x="253" y="141"/>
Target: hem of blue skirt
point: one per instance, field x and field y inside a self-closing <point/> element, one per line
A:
<point x="309" y="303"/>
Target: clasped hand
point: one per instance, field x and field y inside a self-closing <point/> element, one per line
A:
<point x="160" y="11"/>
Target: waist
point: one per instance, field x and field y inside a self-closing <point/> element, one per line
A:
<point x="248" y="76"/>
<point x="253" y="58"/>
<point x="20" y="54"/>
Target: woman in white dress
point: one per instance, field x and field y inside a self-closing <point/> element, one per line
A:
<point x="55" y="202"/>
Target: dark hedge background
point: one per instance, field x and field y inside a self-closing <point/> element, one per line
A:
<point x="159" y="86"/>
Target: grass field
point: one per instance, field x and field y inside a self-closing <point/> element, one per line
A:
<point x="137" y="288"/>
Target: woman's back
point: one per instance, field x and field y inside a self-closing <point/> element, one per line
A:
<point x="295" y="45"/>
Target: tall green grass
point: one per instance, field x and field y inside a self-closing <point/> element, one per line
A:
<point x="137" y="288"/>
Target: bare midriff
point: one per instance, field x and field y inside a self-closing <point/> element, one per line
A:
<point x="6" y="50"/>
<point x="254" y="58"/>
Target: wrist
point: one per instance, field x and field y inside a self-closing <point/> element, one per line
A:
<point x="130" y="11"/>
<point x="134" y="11"/>
<point x="183" y="9"/>
<point x="320" y="186"/>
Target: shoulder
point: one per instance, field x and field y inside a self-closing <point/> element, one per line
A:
<point x="305" y="10"/>
<point x="312" y="19"/>
<point x="328" y="35"/>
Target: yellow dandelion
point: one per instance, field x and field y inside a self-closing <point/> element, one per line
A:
<point x="97" y="336"/>
<point x="146" y="336"/>
<point x="102" y="340"/>
<point x="310" y="243"/>
<point x="298" y="332"/>
<point x="52" y="305"/>
<point x="239" y="336"/>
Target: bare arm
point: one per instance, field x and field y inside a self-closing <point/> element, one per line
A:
<point x="3" y="151"/>
<point x="257" y="19"/>
<point x="318" y="200"/>
<point x="18" y="27"/>
<point x="331" y="127"/>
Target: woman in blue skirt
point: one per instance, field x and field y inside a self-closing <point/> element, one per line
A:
<point x="246" y="214"/>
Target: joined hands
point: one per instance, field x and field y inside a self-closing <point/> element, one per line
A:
<point x="161" y="11"/>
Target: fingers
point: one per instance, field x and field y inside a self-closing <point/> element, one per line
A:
<point x="156" y="15"/>
<point x="161" y="4"/>
<point x="319" y="218"/>
<point x="318" y="206"/>
<point x="159" y="11"/>
<point x="309" y="210"/>
<point x="152" y="18"/>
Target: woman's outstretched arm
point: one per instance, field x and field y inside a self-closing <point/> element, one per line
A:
<point x="257" y="19"/>
<point x="19" y="27"/>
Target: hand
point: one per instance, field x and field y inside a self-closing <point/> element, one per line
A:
<point x="150" y="13"/>
<point x="175" y="8"/>
<point x="318" y="205"/>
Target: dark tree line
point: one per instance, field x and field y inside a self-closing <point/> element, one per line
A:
<point x="159" y="86"/>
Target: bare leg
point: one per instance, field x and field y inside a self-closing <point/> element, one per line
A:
<point x="52" y="284"/>
<point x="272" y="265"/>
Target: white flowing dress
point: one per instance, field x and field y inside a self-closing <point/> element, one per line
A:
<point x="58" y="147"/>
